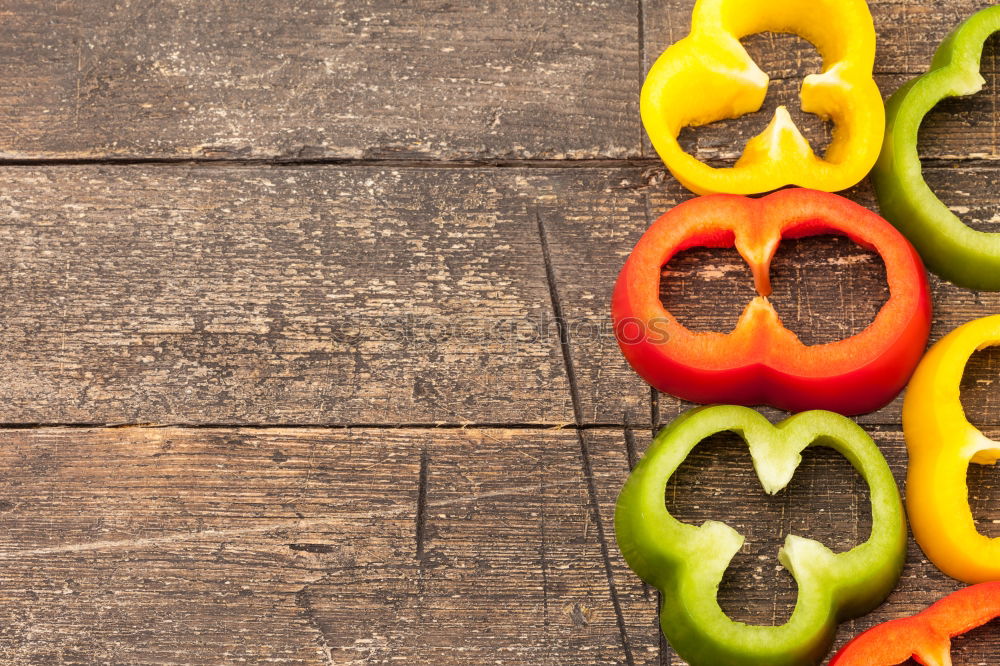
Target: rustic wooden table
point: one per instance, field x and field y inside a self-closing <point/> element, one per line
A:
<point x="304" y="329"/>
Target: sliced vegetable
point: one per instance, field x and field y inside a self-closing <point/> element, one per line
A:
<point x="761" y="361"/>
<point x="941" y="443"/>
<point x="709" y="76"/>
<point x="687" y="563"/>
<point x="927" y="636"/>
<point x="953" y="250"/>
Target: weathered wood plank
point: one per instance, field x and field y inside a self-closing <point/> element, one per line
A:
<point x="168" y="546"/>
<point x="259" y="295"/>
<point x="517" y="550"/>
<point x="292" y="295"/>
<point x="909" y="33"/>
<point x="826" y="500"/>
<point x="319" y="78"/>
<point x="302" y="546"/>
<point x="824" y="289"/>
<point x="384" y="80"/>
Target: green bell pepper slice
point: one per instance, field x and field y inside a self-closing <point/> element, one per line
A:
<point x="953" y="250"/>
<point x="686" y="563"/>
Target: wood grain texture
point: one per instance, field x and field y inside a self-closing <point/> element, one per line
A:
<point x="908" y="32"/>
<point x="302" y="546"/>
<point x="320" y="79"/>
<point x="125" y="263"/>
<point x="259" y="295"/>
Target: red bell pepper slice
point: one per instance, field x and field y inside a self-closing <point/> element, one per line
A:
<point x="761" y="361"/>
<point x="926" y="636"/>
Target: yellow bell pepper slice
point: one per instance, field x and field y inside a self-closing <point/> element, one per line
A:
<point x="709" y="76"/>
<point x="941" y="443"/>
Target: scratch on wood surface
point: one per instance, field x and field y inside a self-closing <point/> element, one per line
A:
<point x="630" y="454"/>
<point x="79" y="75"/>
<point x="421" y="525"/>
<point x="303" y="602"/>
<point x="588" y="473"/>
<point x="300" y="524"/>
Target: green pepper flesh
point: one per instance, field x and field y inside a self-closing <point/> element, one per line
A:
<point x="950" y="248"/>
<point x="687" y="563"/>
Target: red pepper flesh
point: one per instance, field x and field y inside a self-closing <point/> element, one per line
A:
<point x="761" y="361"/>
<point x="926" y="636"/>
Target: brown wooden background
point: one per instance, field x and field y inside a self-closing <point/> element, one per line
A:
<point x="239" y="424"/>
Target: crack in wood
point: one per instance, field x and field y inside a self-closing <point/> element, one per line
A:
<point x="302" y="601"/>
<point x="530" y="163"/>
<point x="654" y="411"/>
<point x="654" y="417"/>
<point x="438" y="425"/>
<point x="564" y="343"/>
<point x="642" y="64"/>
<point x="930" y="162"/>
<point x="315" y="548"/>
<point x="421" y="520"/>
<point x="630" y="447"/>
<point x="874" y="420"/>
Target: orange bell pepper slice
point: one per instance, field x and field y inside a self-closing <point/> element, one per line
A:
<point x="941" y="443"/>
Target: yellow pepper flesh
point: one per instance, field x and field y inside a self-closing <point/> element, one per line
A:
<point x="941" y="443"/>
<point x="709" y="76"/>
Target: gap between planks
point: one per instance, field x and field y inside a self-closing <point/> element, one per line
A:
<point x="299" y="425"/>
<point x="655" y="425"/>
<point x="403" y="163"/>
